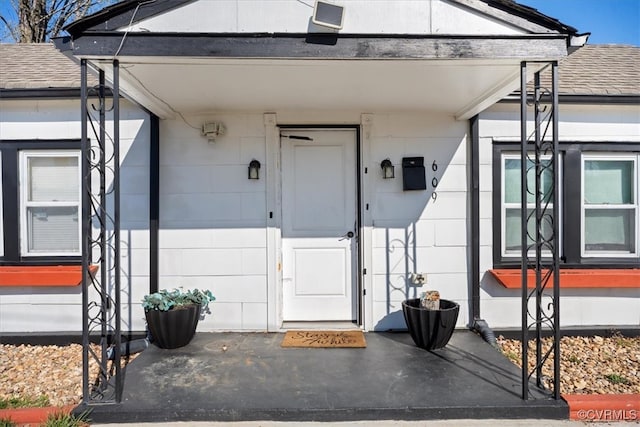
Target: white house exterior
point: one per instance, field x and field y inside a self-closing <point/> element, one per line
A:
<point x="39" y="266"/>
<point x="599" y="132"/>
<point x="321" y="237"/>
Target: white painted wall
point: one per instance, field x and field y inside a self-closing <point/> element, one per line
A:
<point x="412" y="232"/>
<point x="579" y="307"/>
<point x="55" y="309"/>
<point x="294" y="16"/>
<point x="213" y="219"/>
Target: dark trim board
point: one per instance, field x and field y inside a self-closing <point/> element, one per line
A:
<point x="57" y="338"/>
<point x="585" y="99"/>
<point x="474" y="163"/>
<point x="45" y="93"/>
<point x="312" y="46"/>
<point x="577" y="331"/>
<point x="154" y="201"/>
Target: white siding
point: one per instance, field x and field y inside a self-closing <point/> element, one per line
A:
<point x="213" y="219"/>
<point x="51" y="309"/>
<point x="579" y="307"/>
<point x="360" y="17"/>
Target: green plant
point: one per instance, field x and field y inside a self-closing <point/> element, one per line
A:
<point x="7" y="422"/>
<point x="574" y="359"/>
<point x="166" y="300"/>
<point x="511" y="355"/>
<point x="617" y="379"/>
<point x="24" y="402"/>
<point x="63" y="419"/>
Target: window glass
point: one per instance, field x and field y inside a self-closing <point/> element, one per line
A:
<point x="608" y="181"/>
<point x="512" y="229"/>
<point x="50" y="198"/>
<point x="53" y="229"/>
<point x="53" y="179"/>
<point x="511" y="202"/>
<point x="610" y="205"/>
<point x="610" y="230"/>
<point x="512" y="180"/>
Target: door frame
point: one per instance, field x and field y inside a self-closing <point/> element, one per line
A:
<point x="277" y="215"/>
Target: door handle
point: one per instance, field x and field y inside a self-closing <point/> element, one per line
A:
<point x="349" y="235"/>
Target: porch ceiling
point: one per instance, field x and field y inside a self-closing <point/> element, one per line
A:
<point x="168" y="85"/>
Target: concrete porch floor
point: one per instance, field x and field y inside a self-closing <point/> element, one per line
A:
<point x="256" y="379"/>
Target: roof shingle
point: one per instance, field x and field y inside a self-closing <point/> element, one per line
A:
<point x="601" y="70"/>
<point x="36" y="66"/>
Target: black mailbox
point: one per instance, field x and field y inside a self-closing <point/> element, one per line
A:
<point x="413" y="177"/>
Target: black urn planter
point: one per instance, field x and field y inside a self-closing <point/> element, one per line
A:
<point x="174" y="328"/>
<point x="430" y="329"/>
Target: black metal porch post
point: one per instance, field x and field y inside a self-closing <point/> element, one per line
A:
<point x="540" y="246"/>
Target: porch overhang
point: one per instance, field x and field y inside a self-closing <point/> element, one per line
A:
<point x="172" y="74"/>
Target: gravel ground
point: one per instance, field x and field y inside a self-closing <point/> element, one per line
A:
<point x="588" y="365"/>
<point x="54" y="371"/>
<point x="594" y="365"/>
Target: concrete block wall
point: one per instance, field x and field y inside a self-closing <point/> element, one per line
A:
<point x="213" y="218"/>
<point x="55" y="309"/>
<point x="423" y="231"/>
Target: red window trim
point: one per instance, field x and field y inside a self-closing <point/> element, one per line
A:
<point x="575" y="278"/>
<point x="53" y="275"/>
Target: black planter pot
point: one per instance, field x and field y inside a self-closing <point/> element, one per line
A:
<point x="173" y="328"/>
<point x="430" y="329"/>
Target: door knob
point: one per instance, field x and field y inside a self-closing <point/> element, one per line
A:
<point x="349" y="235"/>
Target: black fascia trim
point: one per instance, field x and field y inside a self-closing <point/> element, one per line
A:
<point x="49" y="93"/>
<point x="585" y="99"/>
<point x="324" y="46"/>
<point x="121" y="14"/>
<point x="45" y="93"/>
<point x="45" y="144"/>
<point x="530" y="14"/>
<point x="42" y="261"/>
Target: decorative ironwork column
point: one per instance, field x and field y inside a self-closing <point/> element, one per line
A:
<point x="100" y="240"/>
<point x="540" y="217"/>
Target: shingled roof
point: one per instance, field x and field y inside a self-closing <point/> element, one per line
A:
<point x="37" y="66"/>
<point x="601" y="70"/>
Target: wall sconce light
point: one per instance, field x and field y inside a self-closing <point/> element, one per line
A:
<point x="388" y="170"/>
<point x="212" y="130"/>
<point x="254" y="169"/>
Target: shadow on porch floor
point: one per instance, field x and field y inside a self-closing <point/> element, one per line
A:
<point x="256" y="379"/>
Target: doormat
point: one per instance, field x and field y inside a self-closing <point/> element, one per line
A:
<point x="324" y="339"/>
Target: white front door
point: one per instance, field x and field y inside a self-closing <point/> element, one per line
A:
<point x="319" y="227"/>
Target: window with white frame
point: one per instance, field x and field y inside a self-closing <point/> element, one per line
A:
<point x="50" y="203"/>
<point x="609" y="205"/>
<point x="599" y="209"/>
<point x="511" y="205"/>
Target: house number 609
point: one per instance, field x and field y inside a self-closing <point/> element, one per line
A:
<point x="434" y="181"/>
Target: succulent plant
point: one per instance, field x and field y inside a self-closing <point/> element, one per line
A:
<point x="165" y="300"/>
